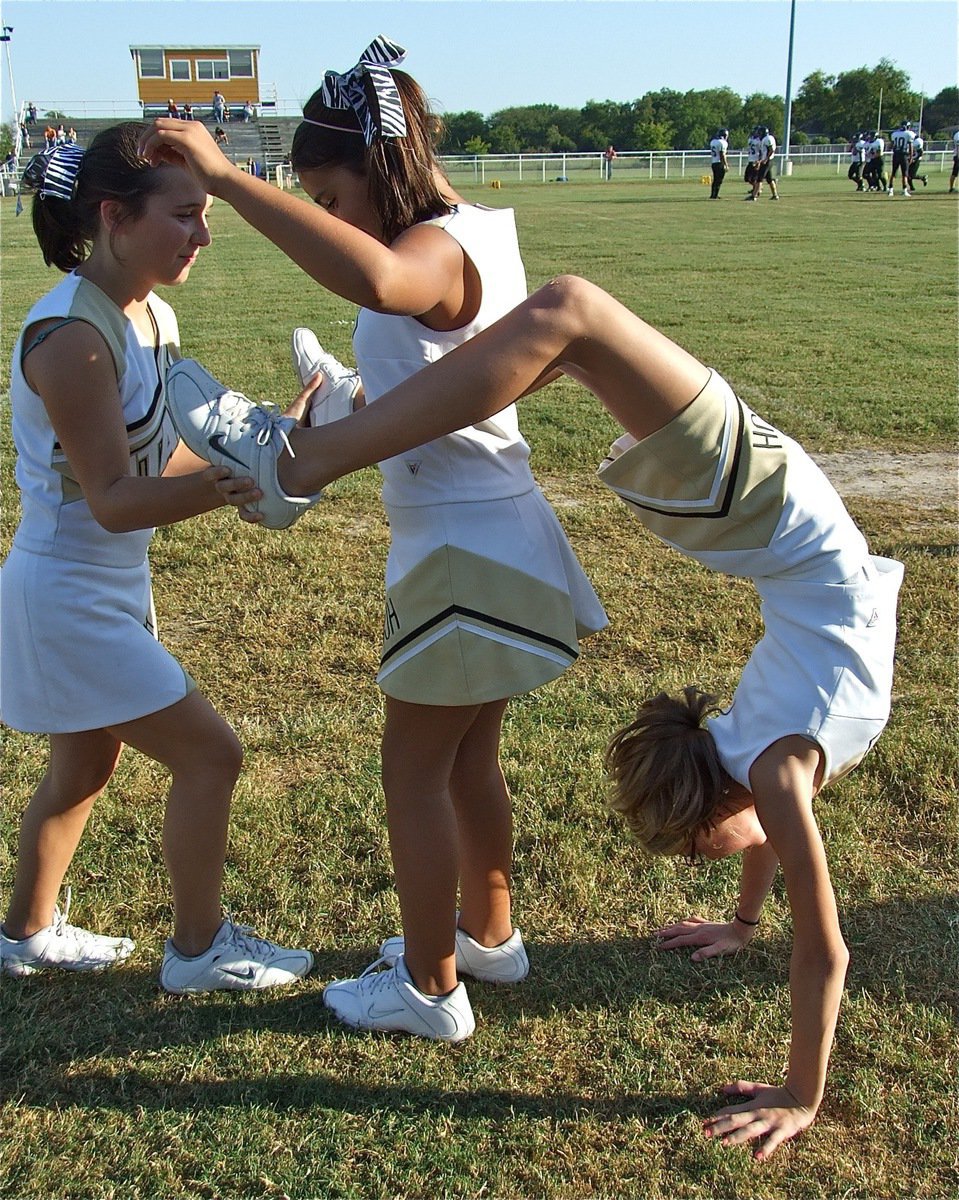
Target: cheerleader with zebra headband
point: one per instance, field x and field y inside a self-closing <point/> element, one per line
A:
<point x="98" y="466"/>
<point x="718" y="483"/>
<point x="484" y="597"/>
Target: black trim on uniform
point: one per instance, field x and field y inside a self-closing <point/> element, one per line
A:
<point x="495" y="622"/>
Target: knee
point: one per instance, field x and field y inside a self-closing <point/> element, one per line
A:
<point x="565" y="304"/>
<point x="83" y="782"/>
<point x="219" y="757"/>
<point x="227" y="755"/>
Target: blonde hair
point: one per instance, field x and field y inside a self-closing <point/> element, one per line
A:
<point x="667" y="780"/>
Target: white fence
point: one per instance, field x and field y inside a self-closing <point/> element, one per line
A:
<point x="644" y="164"/>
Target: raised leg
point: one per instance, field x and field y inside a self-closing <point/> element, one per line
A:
<point x="570" y="325"/>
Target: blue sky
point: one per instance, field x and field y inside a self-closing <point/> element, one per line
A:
<point x="485" y="54"/>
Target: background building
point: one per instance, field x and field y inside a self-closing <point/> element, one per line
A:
<point x="190" y="74"/>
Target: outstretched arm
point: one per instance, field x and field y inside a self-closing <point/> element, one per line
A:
<point x="410" y="277"/>
<point x="783" y="784"/>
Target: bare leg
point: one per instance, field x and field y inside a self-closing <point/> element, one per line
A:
<point x="639" y="375"/>
<point x="204" y="757"/>
<point x="420" y="746"/>
<point x="80" y="767"/>
<point x="484" y="822"/>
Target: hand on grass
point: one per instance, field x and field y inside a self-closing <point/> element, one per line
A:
<point x="771" y="1113"/>
<point x="711" y="939"/>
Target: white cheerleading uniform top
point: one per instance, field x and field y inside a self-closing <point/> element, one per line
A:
<point x="726" y="488"/>
<point x="56" y="519"/>
<point x="487" y="461"/>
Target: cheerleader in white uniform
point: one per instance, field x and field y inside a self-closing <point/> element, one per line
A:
<point x="98" y="465"/>
<point x="484" y="597"/>
<point x="721" y="485"/>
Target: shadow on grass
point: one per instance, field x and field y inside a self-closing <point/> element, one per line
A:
<point x="56" y="1023"/>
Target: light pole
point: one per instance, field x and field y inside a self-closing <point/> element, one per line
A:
<point x="6" y="38"/>
<point x="789" y="90"/>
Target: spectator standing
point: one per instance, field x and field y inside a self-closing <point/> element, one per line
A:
<point x="31" y="113"/>
<point x="247" y="111"/>
<point x="24" y="136"/>
<point x="720" y="165"/>
<point x="955" y="161"/>
<point x="608" y="155"/>
<point x="172" y="110"/>
<point x="60" y="136"/>
<point x="219" y="108"/>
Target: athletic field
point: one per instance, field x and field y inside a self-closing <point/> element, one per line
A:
<point x="834" y="314"/>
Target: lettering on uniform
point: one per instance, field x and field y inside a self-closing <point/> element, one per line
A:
<point x="413" y="468"/>
<point x="764" y="437"/>
<point x="391" y="623"/>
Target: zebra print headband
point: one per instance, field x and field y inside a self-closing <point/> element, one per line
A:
<point x="53" y="173"/>
<point x="366" y="96"/>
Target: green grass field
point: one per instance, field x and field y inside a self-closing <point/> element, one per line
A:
<point x="835" y="316"/>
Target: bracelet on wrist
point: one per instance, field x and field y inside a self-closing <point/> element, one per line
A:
<point x="743" y="921"/>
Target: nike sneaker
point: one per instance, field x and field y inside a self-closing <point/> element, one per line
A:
<point x="333" y="399"/>
<point x="228" y="430"/>
<point x="505" y="963"/>
<point x="237" y="960"/>
<point x="385" y="998"/>
<point x="63" y="946"/>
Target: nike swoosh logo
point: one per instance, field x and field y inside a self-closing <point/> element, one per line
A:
<point x="247" y="974"/>
<point x="379" y="1010"/>
<point x="216" y="441"/>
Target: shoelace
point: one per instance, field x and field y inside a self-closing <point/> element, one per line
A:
<point x="265" y="418"/>
<point x="377" y="978"/>
<point x="243" y="937"/>
<point x="60" y="915"/>
<point x="62" y="928"/>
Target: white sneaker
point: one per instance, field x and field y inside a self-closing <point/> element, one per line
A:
<point x="63" y="946"/>
<point x="333" y="399"/>
<point x="235" y="961"/>
<point x="228" y="430"/>
<point x="385" y="998"/>
<point x="505" y="963"/>
<point x="891" y="192"/>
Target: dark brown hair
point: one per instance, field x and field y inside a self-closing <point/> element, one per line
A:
<point x="111" y="169"/>
<point x="400" y="171"/>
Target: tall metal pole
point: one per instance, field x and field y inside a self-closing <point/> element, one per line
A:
<point x="6" y="37"/>
<point x="789" y="87"/>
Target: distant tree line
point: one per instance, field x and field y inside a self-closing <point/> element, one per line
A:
<point x="827" y="108"/>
